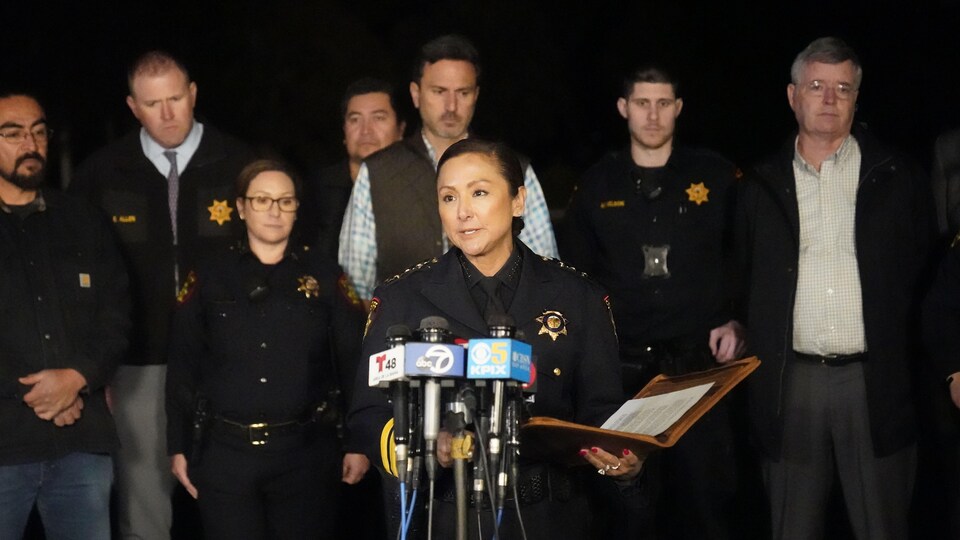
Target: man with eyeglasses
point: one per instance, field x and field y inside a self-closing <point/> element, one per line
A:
<point x="834" y="233"/>
<point x="167" y="188"/>
<point x="65" y="315"/>
<point x="650" y="223"/>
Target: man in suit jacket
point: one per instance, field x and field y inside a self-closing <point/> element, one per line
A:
<point x="168" y="191"/>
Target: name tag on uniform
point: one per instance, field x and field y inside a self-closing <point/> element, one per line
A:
<point x="84" y="280"/>
<point x="612" y="204"/>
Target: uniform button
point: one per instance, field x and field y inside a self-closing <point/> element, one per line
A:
<point x="649" y="349"/>
<point x="556" y="371"/>
<point x="263" y="345"/>
<point x="39" y="299"/>
<point x="263" y="379"/>
<point x="46" y="336"/>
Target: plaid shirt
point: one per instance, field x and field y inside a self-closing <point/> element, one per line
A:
<point x="358" y="234"/>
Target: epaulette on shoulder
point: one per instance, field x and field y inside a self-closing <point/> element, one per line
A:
<point x="422" y="265"/>
<point x="560" y="264"/>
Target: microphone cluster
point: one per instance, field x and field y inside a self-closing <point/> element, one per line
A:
<point x="478" y="383"/>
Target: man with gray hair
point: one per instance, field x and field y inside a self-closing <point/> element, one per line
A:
<point x="833" y="234"/>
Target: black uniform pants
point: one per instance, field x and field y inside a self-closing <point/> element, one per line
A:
<point x="698" y="477"/>
<point x="285" y="489"/>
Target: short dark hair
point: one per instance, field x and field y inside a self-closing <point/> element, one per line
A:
<point x="649" y="74"/>
<point x="154" y="62"/>
<point x="826" y="50"/>
<point x="507" y="161"/>
<point x="369" y="85"/>
<point x="447" y="47"/>
<point x="12" y="91"/>
<point x="255" y="168"/>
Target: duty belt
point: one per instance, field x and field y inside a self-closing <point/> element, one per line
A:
<point x="259" y="433"/>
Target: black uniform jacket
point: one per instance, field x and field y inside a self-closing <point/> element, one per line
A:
<point x="325" y="202"/>
<point x="266" y="360"/>
<point x="127" y="186"/>
<point x="609" y="222"/>
<point x="894" y="232"/>
<point x="578" y="371"/>
<point x="941" y="315"/>
<point x="63" y="304"/>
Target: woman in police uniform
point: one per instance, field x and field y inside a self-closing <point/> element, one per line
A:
<point x="261" y="334"/>
<point x="564" y="316"/>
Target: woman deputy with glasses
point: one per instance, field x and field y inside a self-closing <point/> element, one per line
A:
<point x="487" y="274"/>
<point x="263" y="336"/>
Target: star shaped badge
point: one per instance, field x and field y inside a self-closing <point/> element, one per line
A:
<point x="553" y="323"/>
<point x="220" y="211"/>
<point x="308" y="286"/>
<point x="698" y="193"/>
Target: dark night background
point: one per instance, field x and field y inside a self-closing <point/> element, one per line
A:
<point x="272" y="73"/>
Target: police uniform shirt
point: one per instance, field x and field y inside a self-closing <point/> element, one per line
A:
<point x="655" y="238"/>
<point x="255" y="339"/>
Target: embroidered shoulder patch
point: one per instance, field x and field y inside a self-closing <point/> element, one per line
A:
<point x="189" y="286"/>
<point x="374" y="303"/>
<point x="348" y="292"/>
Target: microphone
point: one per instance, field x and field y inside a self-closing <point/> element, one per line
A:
<point x="397" y="336"/>
<point x="434" y="358"/>
<point x="503" y="360"/>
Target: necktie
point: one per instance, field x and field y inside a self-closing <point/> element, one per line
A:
<point x="173" y="189"/>
<point x="494" y="306"/>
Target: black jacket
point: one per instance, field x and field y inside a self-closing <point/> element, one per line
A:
<point x="894" y="232"/>
<point x="946" y="181"/>
<point x="941" y="315"/>
<point x="63" y="304"/>
<point x="325" y="202"/>
<point x="260" y="360"/>
<point x="578" y="374"/>
<point x="127" y="186"/>
<point x="610" y="220"/>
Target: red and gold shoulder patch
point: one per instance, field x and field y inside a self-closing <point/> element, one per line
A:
<point x="374" y="304"/>
<point x="349" y="292"/>
<point x="187" y="289"/>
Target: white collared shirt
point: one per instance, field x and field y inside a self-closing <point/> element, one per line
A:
<point x="154" y="152"/>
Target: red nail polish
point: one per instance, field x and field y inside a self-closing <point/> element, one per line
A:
<point x="626" y="452"/>
<point x="582" y="453"/>
<point x="594" y="449"/>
